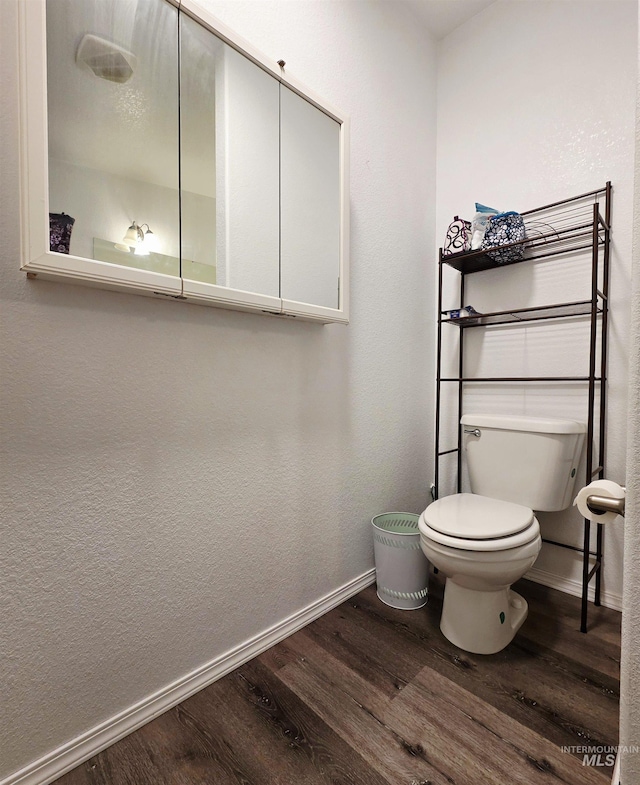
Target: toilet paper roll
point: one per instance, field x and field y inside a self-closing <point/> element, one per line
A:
<point x="606" y="488"/>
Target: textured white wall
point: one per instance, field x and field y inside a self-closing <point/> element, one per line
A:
<point x="630" y="666"/>
<point x="176" y="479"/>
<point x="536" y="103"/>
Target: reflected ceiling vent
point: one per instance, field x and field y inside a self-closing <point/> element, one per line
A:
<point x="106" y="59"/>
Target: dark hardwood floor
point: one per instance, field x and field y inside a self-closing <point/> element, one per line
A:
<point x="369" y="695"/>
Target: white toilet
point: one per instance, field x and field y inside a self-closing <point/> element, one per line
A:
<point x="486" y="540"/>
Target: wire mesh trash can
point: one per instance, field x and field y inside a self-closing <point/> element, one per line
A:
<point x="402" y="569"/>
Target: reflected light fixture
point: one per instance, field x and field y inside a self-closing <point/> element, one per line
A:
<point x="141" y="239"/>
<point x="106" y="59"/>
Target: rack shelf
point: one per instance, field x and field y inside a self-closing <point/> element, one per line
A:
<point x="545" y="312"/>
<point x="572" y="237"/>
<point x="518" y="379"/>
<point x="553" y="231"/>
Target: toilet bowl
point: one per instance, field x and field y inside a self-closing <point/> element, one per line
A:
<point x="482" y="546"/>
<point x="486" y="540"/>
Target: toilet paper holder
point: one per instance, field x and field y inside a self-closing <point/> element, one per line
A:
<point x="602" y="504"/>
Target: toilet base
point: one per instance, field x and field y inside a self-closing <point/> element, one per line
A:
<point x="481" y="622"/>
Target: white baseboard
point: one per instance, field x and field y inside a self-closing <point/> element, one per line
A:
<point x="571" y="586"/>
<point x="61" y="760"/>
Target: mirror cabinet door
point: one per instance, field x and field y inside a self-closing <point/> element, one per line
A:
<point x="112" y="92"/>
<point x="310" y="202"/>
<point x="229" y="172"/>
<point x="174" y="153"/>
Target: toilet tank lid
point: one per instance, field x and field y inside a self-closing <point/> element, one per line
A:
<point x="515" y="422"/>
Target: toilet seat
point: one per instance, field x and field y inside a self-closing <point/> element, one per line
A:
<point x="466" y="521"/>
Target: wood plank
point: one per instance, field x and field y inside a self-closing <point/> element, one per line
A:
<point x="138" y="758"/>
<point x="557" y="698"/>
<point x="604" y="624"/>
<point x="326" y="685"/>
<point x="350" y="686"/>
<point x="472" y="741"/>
<point x="590" y="651"/>
<point x="281" y="654"/>
<point x="298" y="733"/>
<point x="359" y="649"/>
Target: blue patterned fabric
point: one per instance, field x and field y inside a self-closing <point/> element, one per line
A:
<point x="503" y="229"/>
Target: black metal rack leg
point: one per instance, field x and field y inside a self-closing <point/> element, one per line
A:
<point x="599" y="543"/>
<point x="585" y="576"/>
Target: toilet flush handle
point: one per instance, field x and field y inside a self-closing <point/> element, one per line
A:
<point x="474" y="431"/>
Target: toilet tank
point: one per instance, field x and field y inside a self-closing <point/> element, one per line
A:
<point x="531" y="461"/>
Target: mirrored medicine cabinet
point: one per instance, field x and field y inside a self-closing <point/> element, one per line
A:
<point x="163" y="155"/>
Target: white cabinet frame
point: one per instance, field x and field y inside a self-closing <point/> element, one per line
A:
<point x="37" y="260"/>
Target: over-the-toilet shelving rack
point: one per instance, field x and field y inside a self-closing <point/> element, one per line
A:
<point x="578" y="224"/>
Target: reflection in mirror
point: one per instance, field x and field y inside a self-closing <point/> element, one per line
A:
<point x="201" y="56"/>
<point x="171" y="151"/>
<point x="112" y="72"/>
<point x="230" y="176"/>
<point x="310" y="199"/>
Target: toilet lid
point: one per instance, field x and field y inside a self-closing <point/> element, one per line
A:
<point x="529" y="535"/>
<point x="471" y="517"/>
